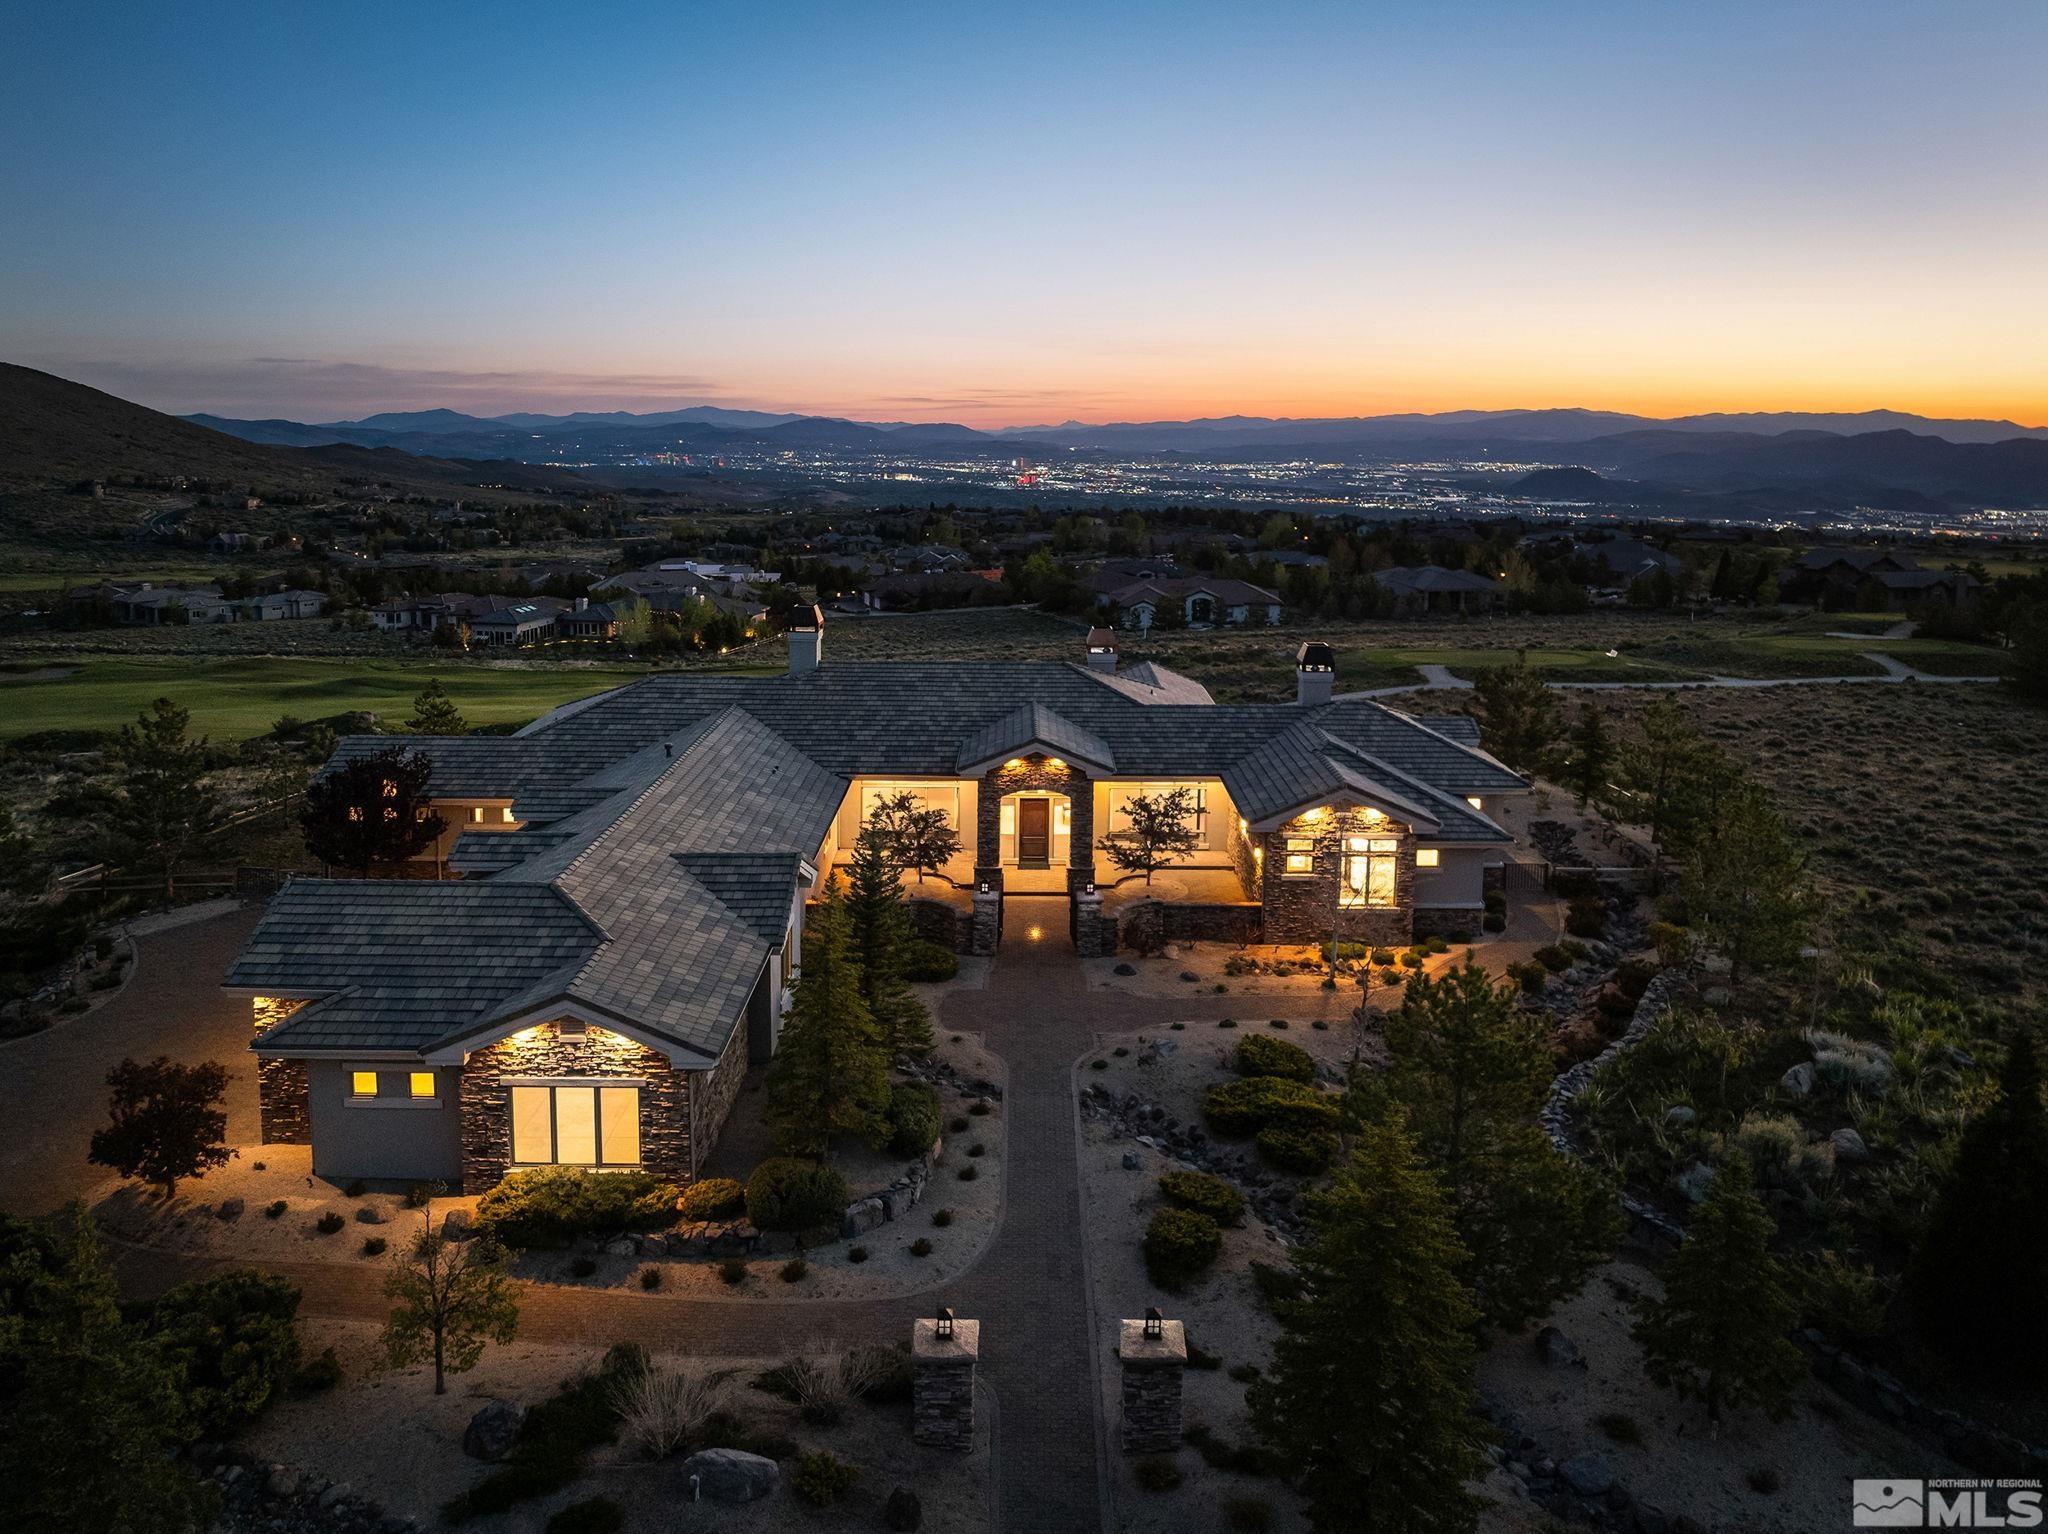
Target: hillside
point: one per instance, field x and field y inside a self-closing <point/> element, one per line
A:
<point x="1577" y="484"/>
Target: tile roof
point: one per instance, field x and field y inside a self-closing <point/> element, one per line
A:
<point x="664" y="823"/>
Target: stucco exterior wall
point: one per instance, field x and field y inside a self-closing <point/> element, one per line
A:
<point x="1458" y="882"/>
<point x="392" y="1137"/>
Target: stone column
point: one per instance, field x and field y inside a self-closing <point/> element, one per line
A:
<point x="1152" y="1368"/>
<point x="942" y="1384"/>
<point x="1088" y="937"/>
<point x="987" y="929"/>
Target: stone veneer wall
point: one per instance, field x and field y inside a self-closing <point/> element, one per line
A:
<point x="665" y="1139"/>
<point x="1036" y="776"/>
<point x="283" y="1110"/>
<point x="1298" y="910"/>
<point x="712" y="1094"/>
<point x="937" y="922"/>
<point x="1148" y="925"/>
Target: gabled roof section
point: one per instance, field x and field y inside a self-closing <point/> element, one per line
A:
<point x="1150" y="682"/>
<point x="1033" y="725"/>
<point x="757" y="887"/>
<point x="404" y="959"/>
<point x="1304" y="766"/>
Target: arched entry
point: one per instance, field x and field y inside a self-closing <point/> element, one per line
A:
<point x="1035" y="837"/>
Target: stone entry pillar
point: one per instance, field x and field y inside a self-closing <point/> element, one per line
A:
<point x="942" y="1382"/>
<point x="1152" y="1369"/>
<point x="1090" y="941"/>
<point x="986" y="931"/>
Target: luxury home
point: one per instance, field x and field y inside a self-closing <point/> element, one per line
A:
<point x="633" y="870"/>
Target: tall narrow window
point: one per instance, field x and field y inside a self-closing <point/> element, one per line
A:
<point x="576" y="1125"/>
<point x="533" y="1135"/>
<point x="619" y="1125"/>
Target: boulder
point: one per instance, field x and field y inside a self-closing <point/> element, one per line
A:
<point x="1798" y="1081"/>
<point x="1188" y="974"/>
<point x="1132" y="1161"/>
<point x="1587" y="1474"/>
<point x="1849" y="1146"/>
<point x="1680" y="1115"/>
<point x="493" y="1430"/>
<point x="1556" y="1349"/>
<point x="731" y="1475"/>
<point x="283" y="1482"/>
<point x="862" y="1215"/>
<point x="1694" y="1181"/>
<point x="456" y="1225"/>
<point x="1717" y="996"/>
<point x="1125" y="969"/>
<point x="624" y="1246"/>
<point x="231" y="1209"/>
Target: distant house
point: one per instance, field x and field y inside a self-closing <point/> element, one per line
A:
<point x="927" y="589"/>
<point x="1836" y="576"/>
<point x="1614" y="564"/>
<point x="1433" y="589"/>
<point x="277" y="605"/>
<point x="520" y="623"/>
<point x="234" y="543"/>
<point x="149" y="604"/>
<point x="586" y="619"/>
<point x="1201" y="601"/>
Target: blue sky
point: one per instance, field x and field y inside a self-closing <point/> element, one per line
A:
<point x="1009" y="213"/>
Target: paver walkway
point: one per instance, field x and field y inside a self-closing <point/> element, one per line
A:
<point x="1029" y="1287"/>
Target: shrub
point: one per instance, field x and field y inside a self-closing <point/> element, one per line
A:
<point x="968" y="1173"/>
<point x="957" y="1125"/>
<point x="942" y="1218"/>
<point x="1244" y="1514"/>
<point x="1586" y="917"/>
<point x="1238" y="1109"/>
<point x="582" y="1267"/>
<point x="1764" y="1480"/>
<point x="1435" y="943"/>
<point x="552" y="1444"/>
<point x="418" y="1195"/>
<point x="1530" y="975"/>
<point x="1554" y="957"/>
<point x="1244" y="1374"/>
<point x="979" y="1107"/>
<point x="1258" y="1055"/>
<point x="275" y="1209"/>
<point x="1412" y="958"/>
<point x="552" y="1206"/>
<point x="1297" y="1150"/>
<point x="650" y="1279"/>
<point x="1275" y="1284"/>
<point x="593" y="1515"/>
<point x="329" y="1223"/>
<point x="714" y="1198"/>
<point x="1494" y="921"/>
<point x="921" y="1247"/>
<point x="1179" y="1245"/>
<point x="913" y="1118"/>
<point x="1848" y="1303"/>
<point x="374" y="1246"/>
<point x="929" y="961"/>
<point x="666" y="1411"/>
<point x="1848" y="1064"/>
<point x="1620" y="1427"/>
<point x="822" y="1478"/>
<point x="795" y="1271"/>
<point x="355" y="1189"/>
<point x="1496" y="900"/>
<point x="977" y="1150"/>
<point x="1157" y="1472"/>
<point x="1205" y="1193"/>
<point x="785" y="1193"/>
<point x="236" y="1341"/>
<point x="732" y="1272"/>
<point x="856" y="1254"/>
<point x="323" y="1373"/>
<point x="1383" y="956"/>
<point x="1779" y="1151"/>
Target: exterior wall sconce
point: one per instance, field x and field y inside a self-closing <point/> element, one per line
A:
<point x="1088" y="888"/>
<point x="942" y="1328"/>
<point x="1013" y="764"/>
<point x="982" y="887"/>
<point x="1053" y="761"/>
<point x="1155" y="1324"/>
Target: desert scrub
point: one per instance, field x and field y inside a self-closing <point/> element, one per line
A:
<point x="553" y="1206"/>
<point x="822" y="1478"/>
<point x="1205" y="1193"/>
<point x="1180" y="1245"/>
<point x="1157" y="1472"/>
<point x="1259" y="1055"/>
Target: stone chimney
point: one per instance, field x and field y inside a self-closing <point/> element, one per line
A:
<point x="1315" y="673"/>
<point x="1101" y="650"/>
<point x="581" y="604"/>
<point x="806" y="640"/>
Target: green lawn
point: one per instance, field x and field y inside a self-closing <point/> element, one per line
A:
<point x="233" y="698"/>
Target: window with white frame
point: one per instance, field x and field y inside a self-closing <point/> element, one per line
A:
<point x="1370" y="864"/>
<point x="576" y="1124"/>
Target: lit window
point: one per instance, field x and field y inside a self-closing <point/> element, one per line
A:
<point x="1475" y="801"/>
<point x="390" y="789"/>
<point x="1369" y="869"/>
<point x="576" y="1126"/>
<point x="355" y="812"/>
<point x="476" y="814"/>
<point x="422" y="1084"/>
<point x="506" y="814"/>
<point x="362" y="1083"/>
<point x="1301" y="856"/>
<point x="1425" y="857"/>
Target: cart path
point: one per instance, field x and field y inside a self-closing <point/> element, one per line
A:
<point x="1029" y="1287"/>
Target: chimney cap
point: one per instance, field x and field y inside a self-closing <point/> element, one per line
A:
<point x="808" y="618"/>
<point x="1314" y="655"/>
<point x="1101" y="639"/>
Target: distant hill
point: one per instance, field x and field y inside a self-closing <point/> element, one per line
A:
<point x="1577" y="484"/>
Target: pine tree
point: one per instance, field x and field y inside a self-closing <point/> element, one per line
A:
<point x="1592" y="758"/>
<point x="94" y="1409"/>
<point x="1654" y="766"/>
<point x="434" y="713"/>
<point x="1720" y="1333"/>
<point x="1518" y="714"/>
<point x="880" y="929"/>
<point x="1469" y="1070"/>
<point x="831" y="1073"/>
<point x="1370" y="1390"/>
<point x="1746" y="885"/>
<point x="1977" y="1272"/>
<point x="164" y="803"/>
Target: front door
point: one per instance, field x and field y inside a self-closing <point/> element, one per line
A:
<point x="1034" y="833"/>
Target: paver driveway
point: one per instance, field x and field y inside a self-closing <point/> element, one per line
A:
<point x="1029" y="1287"/>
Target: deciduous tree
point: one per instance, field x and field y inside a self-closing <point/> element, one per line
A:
<point x="453" y="1298"/>
<point x="1158" y="828"/>
<point x="370" y="810"/>
<point x="167" y="1122"/>
<point x="434" y="712"/>
<point x="831" y="1073"/>
<point x="1370" y="1393"/>
<point x="914" y="835"/>
<point x="879" y="927"/>
<point x="1720" y="1334"/>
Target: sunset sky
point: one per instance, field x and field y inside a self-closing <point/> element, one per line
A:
<point x="1010" y="214"/>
